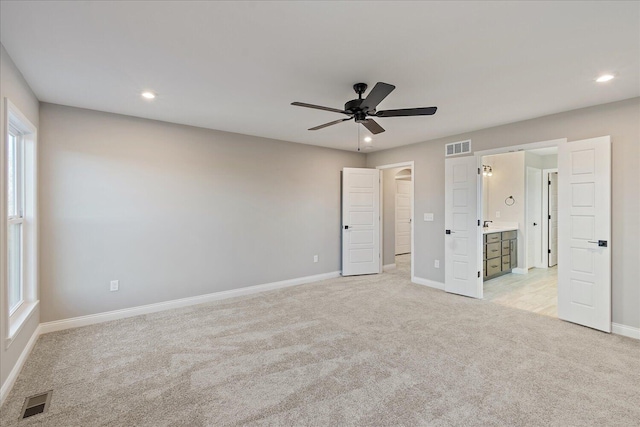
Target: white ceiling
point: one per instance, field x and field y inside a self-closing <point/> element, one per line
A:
<point x="236" y="66"/>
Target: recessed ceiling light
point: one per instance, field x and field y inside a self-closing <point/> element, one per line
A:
<point x="604" y="78"/>
<point x="148" y="95"/>
<point x="367" y="139"/>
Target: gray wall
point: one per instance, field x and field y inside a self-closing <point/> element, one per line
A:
<point x="621" y="120"/>
<point x="175" y="211"/>
<point x="15" y="88"/>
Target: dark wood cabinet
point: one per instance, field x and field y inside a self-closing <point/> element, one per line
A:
<point x="500" y="253"/>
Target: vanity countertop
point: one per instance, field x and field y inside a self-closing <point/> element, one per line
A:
<point x="488" y="230"/>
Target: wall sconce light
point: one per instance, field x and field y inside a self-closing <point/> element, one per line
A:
<point x="487" y="170"/>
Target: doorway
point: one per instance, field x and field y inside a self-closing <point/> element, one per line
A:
<point x="516" y="272"/>
<point x="397" y="208"/>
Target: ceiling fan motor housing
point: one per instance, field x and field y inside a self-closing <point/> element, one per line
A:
<point x="353" y="108"/>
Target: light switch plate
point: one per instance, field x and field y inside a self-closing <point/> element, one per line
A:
<point x="114" y="286"/>
<point x="428" y="217"/>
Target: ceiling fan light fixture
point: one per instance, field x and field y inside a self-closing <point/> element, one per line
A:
<point x="148" y="94"/>
<point x="367" y="139"/>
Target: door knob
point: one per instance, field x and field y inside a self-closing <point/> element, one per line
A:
<point x="535" y="223"/>
<point x="601" y="243"/>
<point x="346" y="227"/>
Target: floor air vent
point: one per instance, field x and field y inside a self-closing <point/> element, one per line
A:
<point x="35" y="405"/>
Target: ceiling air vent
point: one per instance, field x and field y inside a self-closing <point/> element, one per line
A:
<point x="455" y="148"/>
<point x="35" y="405"/>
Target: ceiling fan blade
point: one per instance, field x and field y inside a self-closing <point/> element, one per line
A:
<point x="372" y="126"/>
<point x="335" y="122"/>
<point x="377" y="94"/>
<point x="426" y="111"/>
<point x="318" y="107"/>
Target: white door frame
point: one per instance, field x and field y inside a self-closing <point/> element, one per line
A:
<point x="397" y="181"/>
<point x="545" y="215"/>
<point x="410" y="165"/>
<point x="511" y="149"/>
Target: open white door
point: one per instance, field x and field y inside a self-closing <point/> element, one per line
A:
<point x="584" y="232"/>
<point x="534" y="217"/>
<point x="462" y="261"/>
<point x="403" y="216"/>
<point x="360" y="221"/>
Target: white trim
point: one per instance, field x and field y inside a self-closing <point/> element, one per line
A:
<point x="25" y="124"/>
<point x="427" y="282"/>
<point x="22" y="316"/>
<point x="389" y="267"/>
<point x="522" y="147"/>
<point x="411" y="165"/>
<point x="76" y="322"/>
<point x="626" y="331"/>
<point x="15" y="371"/>
<point x="520" y="271"/>
<point x="397" y="165"/>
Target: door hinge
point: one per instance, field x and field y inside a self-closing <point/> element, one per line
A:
<point x="478" y="274"/>
<point x="478" y="171"/>
<point x="549" y="250"/>
<point x="478" y="223"/>
<point x="549" y="183"/>
<point x="549" y="216"/>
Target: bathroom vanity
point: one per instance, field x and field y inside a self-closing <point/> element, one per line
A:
<point x="500" y="251"/>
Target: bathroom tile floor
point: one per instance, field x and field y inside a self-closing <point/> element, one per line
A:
<point x="536" y="292"/>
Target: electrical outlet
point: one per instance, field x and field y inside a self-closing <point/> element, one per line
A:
<point x="115" y="285"/>
<point x="315" y="258"/>
<point x="497" y="214"/>
<point x="436" y="263"/>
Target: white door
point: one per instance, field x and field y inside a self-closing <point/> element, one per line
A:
<point x="360" y="221"/>
<point x="553" y="219"/>
<point x="534" y="217"/>
<point x="584" y="232"/>
<point x="403" y="216"/>
<point x="462" y="259"/>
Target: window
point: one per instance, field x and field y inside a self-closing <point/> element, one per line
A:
<point x="19" y="240"/>
<point x="15" y="218"/>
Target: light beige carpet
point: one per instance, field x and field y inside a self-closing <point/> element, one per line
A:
<point x="373" y="350"/>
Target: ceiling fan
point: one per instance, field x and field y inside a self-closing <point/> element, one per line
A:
<point x="359" y="109"/>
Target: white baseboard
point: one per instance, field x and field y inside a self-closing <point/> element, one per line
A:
<point x="389" y="267"/>
<point x="624" y="330"/>
<point x="520" y="271"/>
<point x="427" y="282"/>
<point x="13" y="375"/>
<point x="75" y="322"/>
